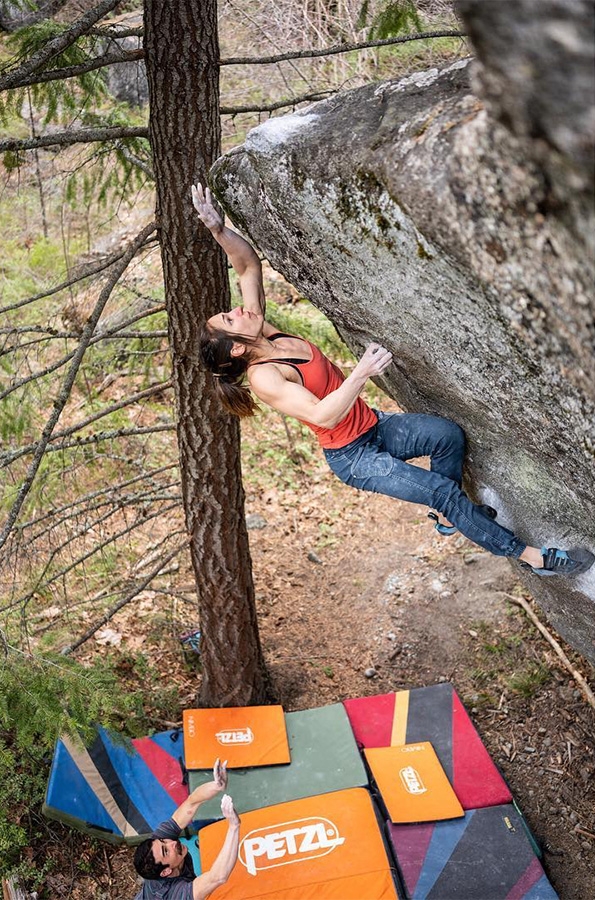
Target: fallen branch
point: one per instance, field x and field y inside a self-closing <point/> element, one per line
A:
<point x="520" y="601"/>
<point x="62" y="398"/>
<point x="338" y="48"/>
<point x="134" y="592"/>
<point x="13" y="78"/>
<point x="76" y="136"/>
<point x="11" y="890"/>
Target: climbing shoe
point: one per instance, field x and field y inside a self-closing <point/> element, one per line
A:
<point x="563" y="562"/>
<point x="488" y="511"/>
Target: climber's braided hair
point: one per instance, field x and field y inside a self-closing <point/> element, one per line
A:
<point x="228" y="371"/>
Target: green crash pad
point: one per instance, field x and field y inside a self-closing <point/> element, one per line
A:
<point x="324" y="758"/>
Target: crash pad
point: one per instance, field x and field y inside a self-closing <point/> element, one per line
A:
<point x="241" y="735"/>
<point x="488" y="854"/>
<point x="115" y="791"/>
<point x="324" y="757"/>
<point x="412" y="783"/>
<point x="433" y="714"/>
<point x="328" y="847"/>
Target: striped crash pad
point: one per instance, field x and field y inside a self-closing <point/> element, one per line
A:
<point x="488" y="855"/>
<point x="324" y="757"/>
<point x="433" y="714"/>
<point x="117" y="792"/>
<point x="328" y="847"/>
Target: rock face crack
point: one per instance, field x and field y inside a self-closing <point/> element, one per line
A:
<point x="445" y="216"/>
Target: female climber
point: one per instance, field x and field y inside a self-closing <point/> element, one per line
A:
<point x="364" y="448"/>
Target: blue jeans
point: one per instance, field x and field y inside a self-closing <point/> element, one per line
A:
<point x="376" y="461"/>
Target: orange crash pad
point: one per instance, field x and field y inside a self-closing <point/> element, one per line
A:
<point x="413" y="784"/>
<point x="246" y="736"/>
<point x="328" y="847"/>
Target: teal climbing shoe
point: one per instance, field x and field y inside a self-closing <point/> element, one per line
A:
<point x="563" y="562"/>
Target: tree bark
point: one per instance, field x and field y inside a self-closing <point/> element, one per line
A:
<point x="182" y="52"/>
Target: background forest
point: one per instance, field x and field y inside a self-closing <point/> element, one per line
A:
<point x="111" y="452"/>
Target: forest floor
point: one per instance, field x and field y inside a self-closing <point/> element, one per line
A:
<point x="347" y="582"/>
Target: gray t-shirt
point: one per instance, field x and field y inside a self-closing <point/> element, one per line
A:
<point x="178" y="888"/>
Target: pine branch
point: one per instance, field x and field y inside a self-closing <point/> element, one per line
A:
<point x="76" y="136"/>
<point x="105" y="436"/>
<point x="339" y="48"/>
<point x="99" y="62"/>
<point x="131" y="335"/>
<point x="71" y="335"/>
<point x="139" y="163"/>
<point x="13" y="78"/>
<point x="23" y="19"/>
<point x="69" y="380"/>
<point x="117" y="503"/>
<point x="95" y="524"/>
<point x="58" y="364"/>
<point x="112" y="489"/>
<point x="303" y="54"/>
<point x="86" y="272"/>
<point x="281" y="104"/>
<point x="134" y="592"/>
<point x="7" y="459"/>
<point x="26" y="598"/>
<point x="103" y="335"/>
<point x="114" y="33"/>
<point x="84" y="530"/>
<point x="40" y="374"/>
<point x="37" y="329"/>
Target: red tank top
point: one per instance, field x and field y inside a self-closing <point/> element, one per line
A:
<point x="321" y="377"/>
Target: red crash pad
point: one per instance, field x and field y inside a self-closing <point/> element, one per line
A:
<point x="433" y="714"/>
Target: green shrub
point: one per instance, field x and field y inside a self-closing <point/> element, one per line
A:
<point x="41" y="698"/>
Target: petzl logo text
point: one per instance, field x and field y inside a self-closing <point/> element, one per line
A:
<point x="412" y="781"/>
<point x="288" y="842"/>
<point x="235" y="736"/>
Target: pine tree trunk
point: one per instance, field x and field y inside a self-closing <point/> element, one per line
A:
<point x="182" y="53"/>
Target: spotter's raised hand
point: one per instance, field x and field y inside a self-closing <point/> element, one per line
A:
<point x="228" y="810"/>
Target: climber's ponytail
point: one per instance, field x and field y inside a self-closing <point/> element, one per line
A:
<point x="228" y="372"/>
